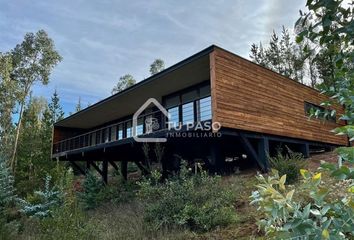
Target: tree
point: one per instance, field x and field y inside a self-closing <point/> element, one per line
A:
<point x="78" y="106"/>
<point x="8" y="91"/>
<point x="53" y="113"/>
<point x="283" y="56"/>
<point x="124" y="82"/>
<point x="329" y="25"/>
<point x="33" y="61"/>
<point x="157" y="66"/>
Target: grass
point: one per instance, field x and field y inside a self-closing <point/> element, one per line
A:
<point x="125" y="220"/>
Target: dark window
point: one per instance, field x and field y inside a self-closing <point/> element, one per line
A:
<point x="140" y="126"/>
<point x="172" y="101"/>
<point x="321" y="112"/>
<point x="190" y="96"/>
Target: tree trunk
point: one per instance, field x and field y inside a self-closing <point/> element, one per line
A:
<point x="14" y="159"/>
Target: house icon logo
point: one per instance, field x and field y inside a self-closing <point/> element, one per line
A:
<point x="151" y="123"/>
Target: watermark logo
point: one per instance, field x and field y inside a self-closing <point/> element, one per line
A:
<point x="175" y="128"/>
<point x="153" y="123"/>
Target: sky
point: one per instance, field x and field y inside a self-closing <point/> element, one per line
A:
<point x="103" y="40"/>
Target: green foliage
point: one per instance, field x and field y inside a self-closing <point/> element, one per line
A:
<point x="8" y="227"/>
<point x="8" y="94"/>
<point x="194" y="201"/>
<point x="157" y="66"/>
<point x="92" y="194"/>
<point x="67" y="222"/>
<point x="41" y="202"/>
<point x="32" y="60"/>
<point x="7" y="193"/>
<point x="283" y="55"/>
<point x="321" y="217"/>
<point x="288" y="164"/>
<point x="329" y="24"/>
<point x="124" y="82"/>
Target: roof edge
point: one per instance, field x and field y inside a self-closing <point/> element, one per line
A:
<point x="145" y="81"/>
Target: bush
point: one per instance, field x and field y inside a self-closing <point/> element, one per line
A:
<point x="92" y="194"/>
<point x="67" y="221"/>
<point x="41" y="202"/>
<point x="320" y="218"/>
<point x="194" y="201"/>
<point x="288" y="164"/>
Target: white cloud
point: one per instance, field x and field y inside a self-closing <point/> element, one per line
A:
<point x="102" y="40"/>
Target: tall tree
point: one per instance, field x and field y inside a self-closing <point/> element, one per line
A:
<point x="33" y="162"/>
<point x="283" y="56"/>
<point x="78" y="106"/>
<point x="33" y="61"/>
<point x="8" y="93"/>
<point x="124" y="82"/>
<point x="157" y="66"/>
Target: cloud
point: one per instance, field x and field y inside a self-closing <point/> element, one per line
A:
<point x="100" y="41"/>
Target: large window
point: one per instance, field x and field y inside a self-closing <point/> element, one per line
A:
<point x="311" y="109"/>
<point x="204" y="112"/>
<point x="188" y="113"/>
<point x="129" y="129"/>
<point x="120" y="132"/>
<point x="140" y="127"/>
<point x="190" y="105"/>
<point x="174" y="116"/>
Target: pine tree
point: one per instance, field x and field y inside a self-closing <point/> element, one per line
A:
<point x="7" y="190"/>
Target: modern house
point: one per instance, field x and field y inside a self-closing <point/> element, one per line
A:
<point x="256" y="109"/>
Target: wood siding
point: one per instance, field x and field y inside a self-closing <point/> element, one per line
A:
<point x="249" y="97"/>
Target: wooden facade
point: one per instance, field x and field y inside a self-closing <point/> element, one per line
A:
<point x="249" y="97"/>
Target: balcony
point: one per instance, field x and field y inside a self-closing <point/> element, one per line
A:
<point x="149" y="122"/>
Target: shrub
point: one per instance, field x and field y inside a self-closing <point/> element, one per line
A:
<point x="92" y="191"/>
<point x="67" y="220"/>
<point x="41" y="202"/>
<point x="285" y="218"/>
<point x="288" y="164"/>
<point x="194" y="201"/>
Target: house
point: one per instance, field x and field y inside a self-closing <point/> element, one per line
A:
<point x="255" y="109"/>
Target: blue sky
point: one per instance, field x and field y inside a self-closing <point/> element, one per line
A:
<point x="102" y="40"/>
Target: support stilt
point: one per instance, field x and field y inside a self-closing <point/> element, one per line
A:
<point x="105" y="171"/>
<point x="78" y="168"/>
<point x="124" y="169"/>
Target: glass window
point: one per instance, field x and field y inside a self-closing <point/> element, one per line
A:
<point x="172" y="101"/>
<point x="120" y="132"/>
<point x="105" y="135"/>
<point x="205" y="109"/>
<point x="129" y="129"/>
<point x="204" y="91"/>
<point x="174" y="116"/>
<point x="98" y="137"/>
<point x="140" y="126"/>
<point x="189" y="96"/>
<point x="188" y="113"/>
<point x="93" y="138"/>
<point x="311" y="108"/>
<point x="113" y="133"/>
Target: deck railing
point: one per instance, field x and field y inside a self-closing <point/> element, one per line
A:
<point x="147" y="123"/>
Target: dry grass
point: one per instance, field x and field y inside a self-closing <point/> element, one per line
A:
<point x="125" y="221"/>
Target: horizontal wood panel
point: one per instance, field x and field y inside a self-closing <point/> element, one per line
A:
<point x="249" y="97"/>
